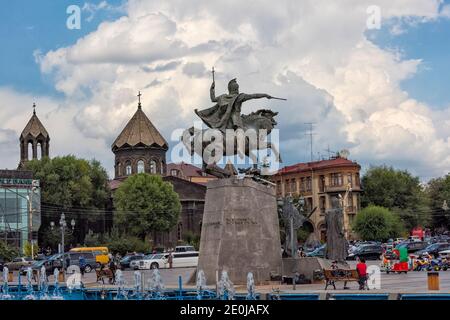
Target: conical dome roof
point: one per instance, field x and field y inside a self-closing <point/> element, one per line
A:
<point x="34" y="128"/>
<point x="139" y="131"/>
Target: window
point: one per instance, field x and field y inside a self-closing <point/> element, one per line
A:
<point x="174" y="172"/>
<point x="322" y="204"/>
<point x="39" y="151"/>
<point x="140" y="167"/>
<point x="152" y="167"/>
<point x="30" y="150"/>
<point x="357" y="182"/>
<point x="161" y="168"/>
<point x="119" y="169"/>
<point x="293" y="186"/>
<point x="128" y="168"/>
<point x="302" y="184"/>
<point x="321" y="183"/>
<point x="287" y="187"/>
<point x="336" y="179"/>
<point x="350" y="202"/>
<point x="349" y="179"/>
<point x="308" y="184"/>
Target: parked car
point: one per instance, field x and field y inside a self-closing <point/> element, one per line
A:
<point x="368" y="252"/>
<point x="184" y="248"/>
<point x="125" y="262"/>
<point x="19" y="262"/>
<point x="135" y="263"/>
<point x="433" y="249"/>
<point x="180" y="259"/>
<point x="69" y="258"/>
<point x="445" y="254"/>
<point x="413" y="246"/>
<point x="318" y="252"/>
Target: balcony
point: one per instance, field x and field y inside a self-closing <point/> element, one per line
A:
<point x="341" y="188"/>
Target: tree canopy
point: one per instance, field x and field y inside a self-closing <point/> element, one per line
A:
<point x="145" y="203"/>
<point x="377" y="223"/>
<point x="398" y="191"/>
<point x="68" y="184"/>
<point x="438" y="191"/>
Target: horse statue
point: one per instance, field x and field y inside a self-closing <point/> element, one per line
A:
<point x="257" y="121"/>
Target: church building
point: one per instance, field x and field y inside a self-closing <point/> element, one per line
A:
<point x="140" y="148"/>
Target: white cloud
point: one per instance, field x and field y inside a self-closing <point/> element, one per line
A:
<point x="315" y="53"/>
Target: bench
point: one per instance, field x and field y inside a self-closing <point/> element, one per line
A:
<point x="105" y="273"/>
<point x="332" y="276"/>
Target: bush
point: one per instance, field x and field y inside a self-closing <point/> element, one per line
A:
<point x="27" y="249"/>
<point x="7" y="252"/>
<point x="377" y="223"/>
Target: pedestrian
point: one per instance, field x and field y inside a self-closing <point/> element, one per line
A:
<point x="112" y="267"/>
<point x="82" y="264"/>
<point x="170" y="258"/>
<point x="361" y="268"/>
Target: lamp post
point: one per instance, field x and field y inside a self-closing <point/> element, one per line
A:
<point x="63" y="225"/>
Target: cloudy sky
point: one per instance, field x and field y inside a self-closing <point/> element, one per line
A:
<point x="381" y="92"/>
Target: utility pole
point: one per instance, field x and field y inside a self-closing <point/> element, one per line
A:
<point x="310" y="134"/>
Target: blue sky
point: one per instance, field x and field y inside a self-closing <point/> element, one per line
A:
<point x="429" y="42"/>
<point x="27" y="26"/>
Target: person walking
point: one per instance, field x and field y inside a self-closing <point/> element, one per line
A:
<point x="82" y="264"/>
<point x="361" y="268"/>
<point x="170" y="258"/>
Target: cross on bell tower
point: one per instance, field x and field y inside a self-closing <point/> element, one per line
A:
<point x="139" y="97"/>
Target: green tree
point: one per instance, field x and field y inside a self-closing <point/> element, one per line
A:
<point x="438" y="191"/>
<point x="377" y="223"/>
<point x="145" y="203"/>
<point x="7" y="252"/>
<point x="77" y="187"/>
<point x="398" y="191"/>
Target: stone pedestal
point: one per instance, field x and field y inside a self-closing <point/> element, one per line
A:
<point x="240" y="231"/>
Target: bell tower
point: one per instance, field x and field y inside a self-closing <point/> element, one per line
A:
<point x="34" y="140"/>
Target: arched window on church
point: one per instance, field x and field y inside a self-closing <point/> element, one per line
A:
<point x="152" y="167"/>
<point x="39" y="151"/>
<point x="161" y="168"/>
<point x="140" y="166"/>
<point x="128" y="168"/>
<point x="119" y="169"/>
<point x="30" y="150"/>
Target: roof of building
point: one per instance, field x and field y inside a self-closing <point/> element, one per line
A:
<point x="34" y="128"/>
<point x="318" y="165"/>
<point x="139" y="131"/>
<point x="187" y="170"/>
<point x="186" y="190"/>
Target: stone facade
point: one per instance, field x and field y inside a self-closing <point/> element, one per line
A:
<point x="240" y="231"/>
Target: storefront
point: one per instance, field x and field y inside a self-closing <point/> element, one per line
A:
<point x="20" y="207"/>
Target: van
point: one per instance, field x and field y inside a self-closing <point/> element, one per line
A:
<point x="100" y="253"/>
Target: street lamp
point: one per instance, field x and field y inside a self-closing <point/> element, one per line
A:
<point x="63" y="225"/>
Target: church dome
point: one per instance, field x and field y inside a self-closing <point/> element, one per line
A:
<point x="139" y="131"/>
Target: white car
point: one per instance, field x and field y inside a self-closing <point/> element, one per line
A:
<point x="135" y="263"/>
<point x="161" y="260"/>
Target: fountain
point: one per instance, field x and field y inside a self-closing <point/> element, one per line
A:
<point x="226" y="287"/>
<point x="156" y="286"/>
<point x="250" y="287"/>
<point x="201" y="284"/>
<point x="122" y="294"/>
<point x="5" y="289"/>
<point x="56" y="292"/>
<point x="137" y="293"/>
<point x="30" y="292"/>
<point x="43" y="284"/>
